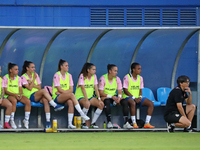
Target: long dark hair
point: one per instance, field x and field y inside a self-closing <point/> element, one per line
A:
<point x="85" y="68"/>
<point x="61" y="62"/>
<point x="26" y="64"/>
<point x="133" y="66"/>
<point x="110" y="67"/>
<point x="10" y="66"/>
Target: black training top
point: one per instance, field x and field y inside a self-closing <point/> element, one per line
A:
<point x="175" y="96"/>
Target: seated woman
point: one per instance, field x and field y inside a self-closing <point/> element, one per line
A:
<point x="63" y="92"/>
<point x="13" y="92"/>
<point x="108" y="84"/>
<point x="5" y="103"/>
<point x="86" y="85"/>
<point x="32" y="90"/>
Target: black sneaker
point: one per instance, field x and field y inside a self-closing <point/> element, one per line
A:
<point x="170" y="128"/>
<point x="190" y="130"/>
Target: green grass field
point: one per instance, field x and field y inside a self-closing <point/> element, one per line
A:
<point x="100" y="140"/>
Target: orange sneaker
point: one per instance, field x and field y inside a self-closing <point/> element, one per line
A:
<point x="148" y="126"/>
<point x="135" y="126"/>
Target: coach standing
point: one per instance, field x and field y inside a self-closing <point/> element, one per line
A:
<point x="175" y="113"/>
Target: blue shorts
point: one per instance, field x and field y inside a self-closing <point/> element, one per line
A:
<point x="138" y="104"/>
<point x="84" y="97"/>
<point x="32" y="97"/>
<point x="56" y="100"/>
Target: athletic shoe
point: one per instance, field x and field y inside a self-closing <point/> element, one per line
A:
<point x="148" y="126"/>
<point x="26" y="124"/>
<point x="170" y="128"/>
<point x="58" y="108"/>
<point x="71" y="127"/>
<point x="83" y="126"/>
<point x="85" y="117"/>
<point x="135" y="126"/>
<point x="127" y="126"/>
<point x="109" y="125"/>
<point x="94" y="126"/>
<point x="190" y="130"/>
<point x="13" y="125"/>
<point x="48" y="124"/>
<point x="7" y="126"/>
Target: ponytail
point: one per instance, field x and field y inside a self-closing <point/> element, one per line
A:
<point x="110" y="67"/>
<point x="86" y="66"/>
<point x="10" y="66"/>
<point x="26" y="64"/>
<point x="61" y="62"/>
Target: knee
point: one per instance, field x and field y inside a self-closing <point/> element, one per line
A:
<point x="132" y="103"/>
<point x="193" y="107"/>
<point x="70" y="103"/>
<point x="9" y="105"/>
<point x="151" y="104"/>
<point x="43" y="91"/>
<point x="187" y="124"/>
<point x="106" y="102"/>
<point x="14" y="102"/>
<point x="124" y="102"/>
<point x="87" y="104"/>
<point x="101" y="105"/>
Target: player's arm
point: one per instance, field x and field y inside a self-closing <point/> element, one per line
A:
<point x="60" y="90"/>
<point x="180" y="109"/>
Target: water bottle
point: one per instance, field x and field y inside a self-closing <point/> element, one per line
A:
<point x="1" y="127"/>
<point x="20" y="124"/>
<point x="104" y="125"/>
<point x="54" y="125"/>
<point x="78" y="122"/>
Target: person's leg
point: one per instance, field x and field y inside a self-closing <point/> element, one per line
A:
<point x="149" y="104"/>
<point x="27" y="109"/>
<point x="43" y="93"/>
<point x="100" y="105"/>
<point x="124" y="104"/>
<point x="190" y="110"/>
<point x="6" y="103"/>
<point x="86" y="106"/>
<point x="183" y="122"/>
<point x="132" y="106"/>
<point x="13" y="100"/>
<point x="62" y="98"/>
<point x="107" y="103"/>
<point x="70" y="114"/>
<point x="47" y="111"/>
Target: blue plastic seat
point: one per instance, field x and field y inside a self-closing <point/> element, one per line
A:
<point x="19" y="104"/>
<point x="146" y="92"/>
<point x="38" y="104"/>
<point x="162" y="94"/>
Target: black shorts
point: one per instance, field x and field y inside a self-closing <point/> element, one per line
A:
<point x="173" y="117"/>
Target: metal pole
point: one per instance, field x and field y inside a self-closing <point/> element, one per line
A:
<point x="198" y="86"/>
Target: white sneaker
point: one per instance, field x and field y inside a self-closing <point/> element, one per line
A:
<point x="83" y="126"/>
<point x="26" y="124"/>
<point x="13" y="125"/>
<point x="94" y="126"/>
<point x="85" y="117"/>
<point x="127" y="126"/>
<point x="109" y="125"/>
<point x="71" y="127"/>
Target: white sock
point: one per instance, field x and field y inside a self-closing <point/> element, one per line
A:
<point x="70" y="118"/>
<point x="27" y="115"/>
<point x="7" y="118"/>
<point x="78" y="108"/>
<point x="148" y="118"/>
<point x="189" y="127"/>
<point x="85" y="111"/>
<point x="52" y="103"/>
<point x="48" y="116"/>
<point x="12" y="116"/>
<point x="97" y="113"/>
<point x="133" y="119"/>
